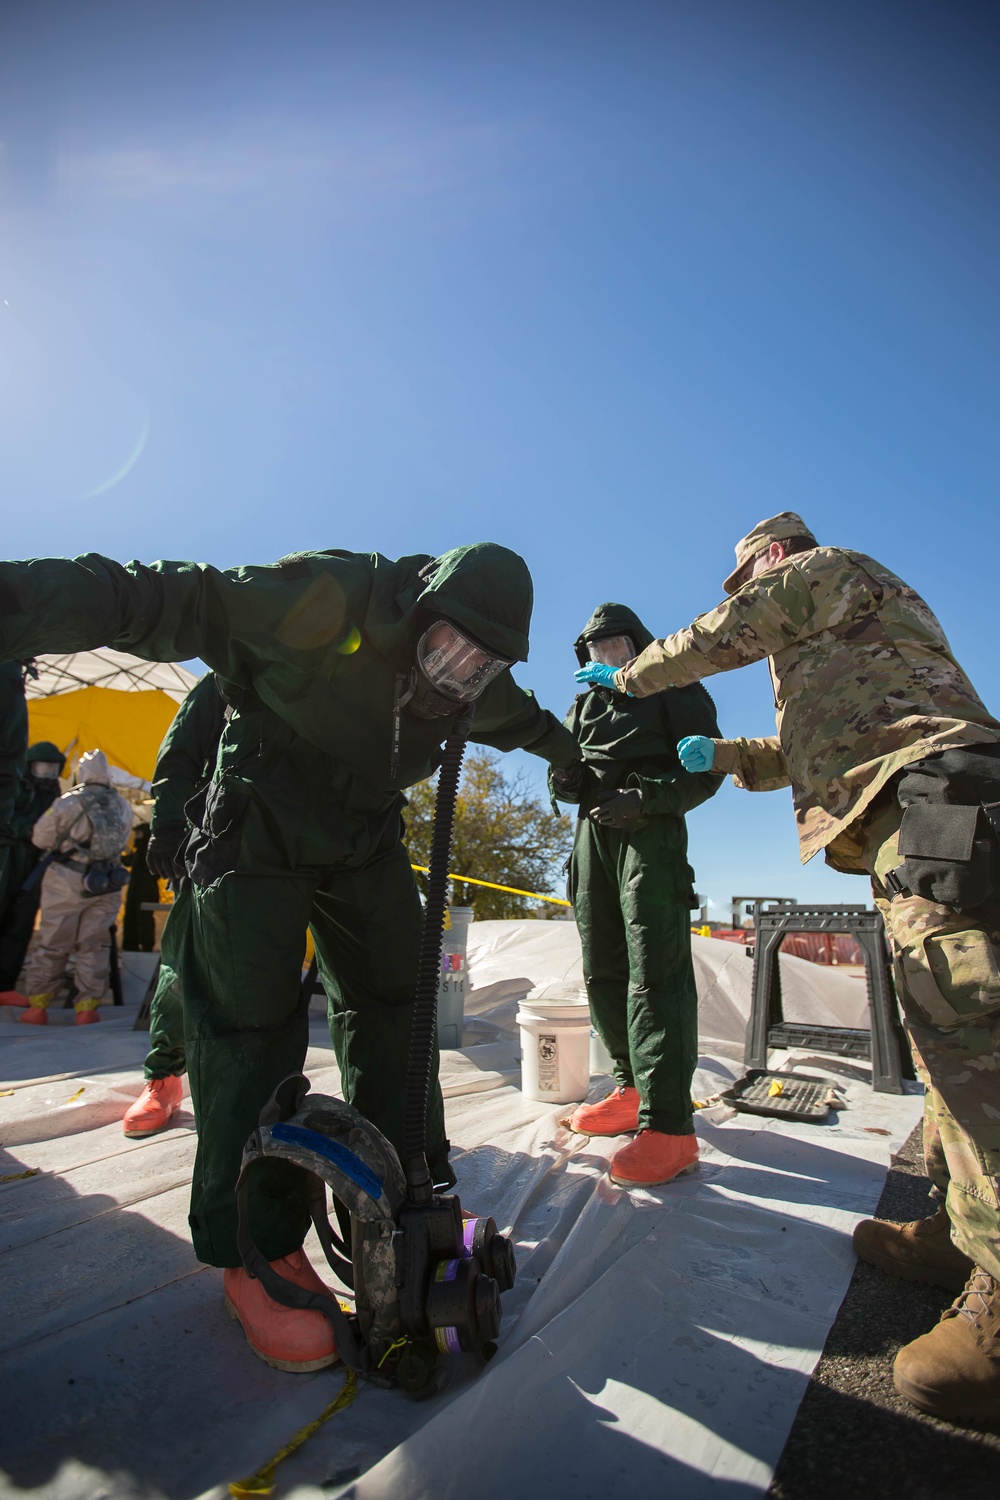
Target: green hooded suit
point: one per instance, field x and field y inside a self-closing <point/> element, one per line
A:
<point x="301" y="823"/>
<point x="184" y="765"/>
<point x="632" y="891"/>
<point x="19" y="907"/>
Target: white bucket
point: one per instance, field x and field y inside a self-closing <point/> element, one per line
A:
<point x="454" y="977"/>
<point x="555" y="1051"/>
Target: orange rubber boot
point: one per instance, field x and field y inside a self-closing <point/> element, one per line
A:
<point x="13" y="997"/>
<point x="289" y="1338"/>
<point x="37" y="1013"/>
<point x="652" y="1158"/>
<point x="87" y="1012"/>
<point x="615" y="1115"/>
<point x="154" y="1108"/>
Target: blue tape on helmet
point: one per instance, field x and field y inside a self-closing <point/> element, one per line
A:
<point x="352" y="1166"/>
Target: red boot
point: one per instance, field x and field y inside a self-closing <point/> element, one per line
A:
<point x="289" y="1338"/>
<point x="37" y="1013"/>
<point x="156" y="1105"/>
<point x="87" y="1012"/>
<point x="12" y="997"/>
<point x="615" y="1115"/>
<point x="652" y="1158"/>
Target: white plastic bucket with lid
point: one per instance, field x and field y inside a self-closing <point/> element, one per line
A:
<point x="555" y="1046"/>
<point x="454" y="977"/>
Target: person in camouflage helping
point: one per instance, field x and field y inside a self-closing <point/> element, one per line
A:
<point x="632" y="890"/>
<point x="894" y="765"/>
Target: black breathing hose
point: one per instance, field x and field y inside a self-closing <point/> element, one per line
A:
<point x="423" y="1033"/>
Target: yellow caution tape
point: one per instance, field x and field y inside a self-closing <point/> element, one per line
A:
<point x="76" y="1095"/>
<point x="492" y="886"/>
<point x="6" y="1093"/>
<point x="262" y="1483"/>
<point x="17" y="1176"/>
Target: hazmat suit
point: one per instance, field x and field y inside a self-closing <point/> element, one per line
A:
<point x="83" y="830"/>
<point x="631" y="885"/>
<point x="184" y="765"/>
<point x="13" y="743"/>
<point x="19" y="906"/>
<point x="301" y="823"/>
<point x="874" y="715"/>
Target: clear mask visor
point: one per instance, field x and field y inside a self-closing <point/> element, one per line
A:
<point x="45" y="770"/>
<point x="613" y="651"/>
<point x="454" y="664"/>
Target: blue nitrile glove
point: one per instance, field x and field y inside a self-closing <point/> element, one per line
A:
<point x="697" y="752"/>
<point x="597" y="674"/>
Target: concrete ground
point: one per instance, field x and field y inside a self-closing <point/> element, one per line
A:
<point x="853" y="1434"/>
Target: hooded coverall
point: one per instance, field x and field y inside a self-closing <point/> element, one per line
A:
<point x="13" y="743"/>
<point x="632" y="891"/>
<point x="73" y="923"/>
<point x="19" y="907"/>
<point x="301" y="824"/>
<point x="184" y="764"/>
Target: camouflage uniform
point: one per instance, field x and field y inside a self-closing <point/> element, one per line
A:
<point x="865" y="684"/>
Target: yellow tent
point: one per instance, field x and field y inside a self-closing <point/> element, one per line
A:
<point x="106" y="700"/>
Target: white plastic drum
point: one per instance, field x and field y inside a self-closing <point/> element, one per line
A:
<point x="555" y="1052"/>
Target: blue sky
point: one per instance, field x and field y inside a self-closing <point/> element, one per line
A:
<point x="605" y="283"/>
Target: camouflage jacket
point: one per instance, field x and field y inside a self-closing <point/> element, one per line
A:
<point x="864" y="682"/>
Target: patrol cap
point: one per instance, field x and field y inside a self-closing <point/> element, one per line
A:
<point x="785" y="527"/>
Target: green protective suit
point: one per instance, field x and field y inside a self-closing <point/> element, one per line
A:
<point x="184" y="766"/>
<point x="19" y="907"/>
<point x="632" y="891"/>
<point x="301" y="822"/>
<point x="13" y="743"/>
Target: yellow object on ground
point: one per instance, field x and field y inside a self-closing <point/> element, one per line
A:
<point x="262" y="1483"/>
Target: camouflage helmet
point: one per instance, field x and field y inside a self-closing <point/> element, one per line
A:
<point x="785" y="527"/>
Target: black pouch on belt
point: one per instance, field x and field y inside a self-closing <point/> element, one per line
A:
<point x="948" y="838"/>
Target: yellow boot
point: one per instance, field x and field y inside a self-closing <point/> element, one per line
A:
<point x="86" y="1011"/>
<point x="37" y="1013"/>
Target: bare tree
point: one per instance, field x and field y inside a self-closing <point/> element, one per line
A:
<point x="503" y="833"/>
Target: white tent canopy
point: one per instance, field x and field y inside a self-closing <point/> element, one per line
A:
<point x="108" y="669"/>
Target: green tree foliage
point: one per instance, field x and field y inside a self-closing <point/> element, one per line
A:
<point x="502" y="833"/>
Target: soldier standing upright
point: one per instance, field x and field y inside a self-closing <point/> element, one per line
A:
<point x="894" y="765"/>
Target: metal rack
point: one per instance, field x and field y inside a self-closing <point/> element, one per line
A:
<point x="884" y="1044"/>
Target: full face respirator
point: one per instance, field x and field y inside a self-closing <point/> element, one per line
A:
<point x="451" y="669"/>
<point x="426" y="1279"/>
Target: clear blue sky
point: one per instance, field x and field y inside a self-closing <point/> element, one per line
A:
<point x="604" y="282"/>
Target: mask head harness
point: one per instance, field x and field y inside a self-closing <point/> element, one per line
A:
<point x="426" y="1280"/>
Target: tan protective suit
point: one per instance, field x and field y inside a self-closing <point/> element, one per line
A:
<point x="72" y="923"/>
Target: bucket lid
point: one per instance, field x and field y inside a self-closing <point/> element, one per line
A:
<point x="569" y="1013"/>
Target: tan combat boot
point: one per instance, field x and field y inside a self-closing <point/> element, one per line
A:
<point x="921" y="1251"/>
<point x="954" y="1371"/>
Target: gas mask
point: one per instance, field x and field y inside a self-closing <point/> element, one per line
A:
<point x="451" y="670"/>
<point x="44" y="770"/>
<point x="612" y="650"/>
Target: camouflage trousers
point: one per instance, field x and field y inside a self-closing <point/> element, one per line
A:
<point x="948" y="982"/>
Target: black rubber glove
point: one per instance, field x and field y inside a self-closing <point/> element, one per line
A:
<point x="623" y="811"/>
<point x="163" y="854"/>
<point x="567" y="781"/>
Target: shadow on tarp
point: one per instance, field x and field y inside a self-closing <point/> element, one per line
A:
<point x="126" y="1368"/>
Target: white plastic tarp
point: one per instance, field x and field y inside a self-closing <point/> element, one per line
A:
<point x="659" y="1337"/>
